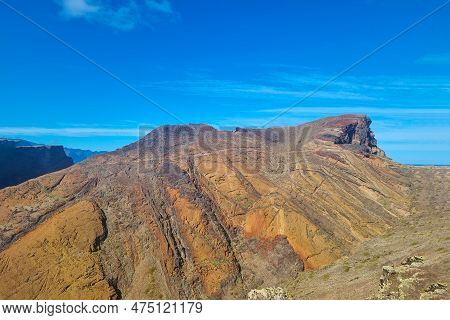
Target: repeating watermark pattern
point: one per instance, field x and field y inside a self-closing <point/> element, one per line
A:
<point x="272" y="150"/>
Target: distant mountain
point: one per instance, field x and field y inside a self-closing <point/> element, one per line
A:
<point x="22" y="160"/>
<point x="79" y="155"/>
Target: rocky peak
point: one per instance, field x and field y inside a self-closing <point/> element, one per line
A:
<point x="356" y="131"/>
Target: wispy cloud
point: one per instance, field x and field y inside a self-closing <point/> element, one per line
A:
<point x="210" y="87"/>
<point x="277" y="91"/>
<point x="123" y="16"/>
<point x="440" y="112"/>
<point x="77" y="8"/>
<point x="389" y="119"/>
<point x="163" y="6"/>
<point x="421" y="133"/>
<point x="288" y="87"/>
<point x="372" y="84"/>
<point x="69" y="132"/>
<point x="434" y="59"/>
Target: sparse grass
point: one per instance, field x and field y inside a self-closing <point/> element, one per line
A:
<point x="346" y="267"/>
<point x="216" y="262"/>
<point x="370" y="260"/>
<point x="326" y="276"/>
<point x="48" y="193"/>
<point x="152" y="270"/>
<point x="151" y="289"/>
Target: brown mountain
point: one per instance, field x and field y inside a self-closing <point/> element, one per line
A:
<point x="192" y="212"/>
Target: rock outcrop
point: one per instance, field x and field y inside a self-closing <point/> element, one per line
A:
<point x="410" y="280"/>
<point x="357" y="132"/>
<point x="268" y="294"/>
<point x="20" y="161"/>
<point x="193" y="212"/>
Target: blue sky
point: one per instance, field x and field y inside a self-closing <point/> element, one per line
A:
<point x="227" y="63"/>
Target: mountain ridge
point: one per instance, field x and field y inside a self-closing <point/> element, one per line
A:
<point x="195" y="212"/>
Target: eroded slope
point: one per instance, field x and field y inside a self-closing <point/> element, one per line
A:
<point x="57" y="260"/>
<point x="410" y="261"/>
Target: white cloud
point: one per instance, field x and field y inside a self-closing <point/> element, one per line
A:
<point x="419" y="133"/>
<point x="274" y="91"/>
<point x="163" y="6"/>
<point x="276" y="87"/>
<point x="69" y="132"/>
<point x="125" y="15"/>
<point x="373" y="84"/>
<point x="236" y="89"/>
<point x="434" y="59"/>
<point x="77" y="8"/>
<point x="421" y="112"/>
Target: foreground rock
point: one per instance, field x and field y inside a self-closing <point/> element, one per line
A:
<point x="267" y="294"/>
<point x="410" y="280"/>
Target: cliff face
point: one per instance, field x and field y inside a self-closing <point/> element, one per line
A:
<point x="193" y="212"/>
<point x="20" y="162"/>
<point x="356" y="132"/>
